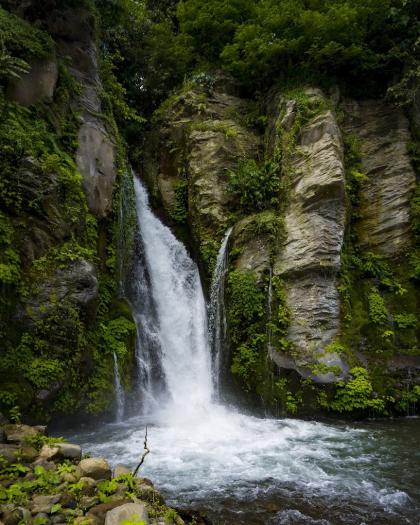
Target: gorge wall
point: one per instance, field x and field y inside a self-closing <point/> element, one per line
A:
<point x="321" y="202"/>
<point x="61" y="163"/>
<point x="321" y="292"/>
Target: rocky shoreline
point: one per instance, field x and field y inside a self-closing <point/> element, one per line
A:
<point x="46" y="481"/>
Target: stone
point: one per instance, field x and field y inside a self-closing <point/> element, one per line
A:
<point x="384" y="136"/>
<point x="12" y="516"/>
<point x="96" y="468"/>
<point x="99" y="511"/>
<point x="89" y="485"/>
<point x="70" y="451"/>
<point x="41" y="516"/>
<point x="36" y="85"/>
<point x="48" y="452"/>
<point x="96" y="161"/>
<point x="19" y="433"/>
<point x="12" y="453"/>
<point x="121" y="470"/>
<point x="68" y="477"/>
<point x="129" y="511"/>
<point x="43" y="504"/>
<point x="148" y="493"/>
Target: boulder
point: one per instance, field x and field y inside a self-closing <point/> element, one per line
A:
<point x="129" y="511"/>
<point x="43" y="504"/>
<point x="96" y="468"/>
<point x="89" y="485"/>
<point x="9" y="453"/>
<point x="19" y="433"/>
<point x="121" y="470"/>
<point x="99" y="511"/>
<point x="147" y="492"/>
<point x="69" y="451"/>
<point x="48" y="452"/>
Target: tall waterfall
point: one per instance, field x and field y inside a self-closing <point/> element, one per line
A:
<point x="235" y="466"/>
<point x="170" y="312"/>
<point x="217" y="315"/>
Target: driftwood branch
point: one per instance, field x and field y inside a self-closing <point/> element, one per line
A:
<point x="146" y="451"/>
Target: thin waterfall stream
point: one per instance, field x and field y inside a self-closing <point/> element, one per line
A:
<point x="238" y="468"/>
<point x="119" y="391"/>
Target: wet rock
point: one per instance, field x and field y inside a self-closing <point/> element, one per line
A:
<point x="36" y="85"/>
<point x="129" y="511"/>
<point x="96" y="468"/>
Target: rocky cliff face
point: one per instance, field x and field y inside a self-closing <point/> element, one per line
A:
<point x="57" y="214"/>
<point x="301" y="263"/>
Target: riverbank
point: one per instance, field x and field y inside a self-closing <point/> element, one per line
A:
<point x="47" y="481"/>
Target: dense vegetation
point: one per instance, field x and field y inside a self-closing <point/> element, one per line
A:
<point x="363" y="44"/>
<point x="148" y="50"/>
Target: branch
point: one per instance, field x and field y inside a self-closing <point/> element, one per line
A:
<point x="146" y="451"/>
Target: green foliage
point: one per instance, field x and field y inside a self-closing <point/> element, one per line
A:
<point x="377" y="310"/>
<point x="23" y="40"/>
<point x="179" y="211"/>
<point x="15" y="415"/>
<point x="408" y="320"/>
<point x="133" y="520"/>
<point x="355" y="395"/>
<point x="9" y="258"/>
<point x="254" y="187"/>
<point x="290" y="402"/>
<point x="245" y="313"/>
<point x="39" y="440"/>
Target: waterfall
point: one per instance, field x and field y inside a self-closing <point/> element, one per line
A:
<point x="119" y="391"/>
<point x="269" y="313"/>
<point x="170" y="312"/>
<point x="217" y="315"/>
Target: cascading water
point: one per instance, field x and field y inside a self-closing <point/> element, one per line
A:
<point x="181" y="319"/>
<point x="217" y="315"/>
<point x="119" y="391"/>
<point x="238" y="468"/>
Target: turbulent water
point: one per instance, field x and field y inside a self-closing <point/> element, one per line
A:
<point x="237" y="468"/>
